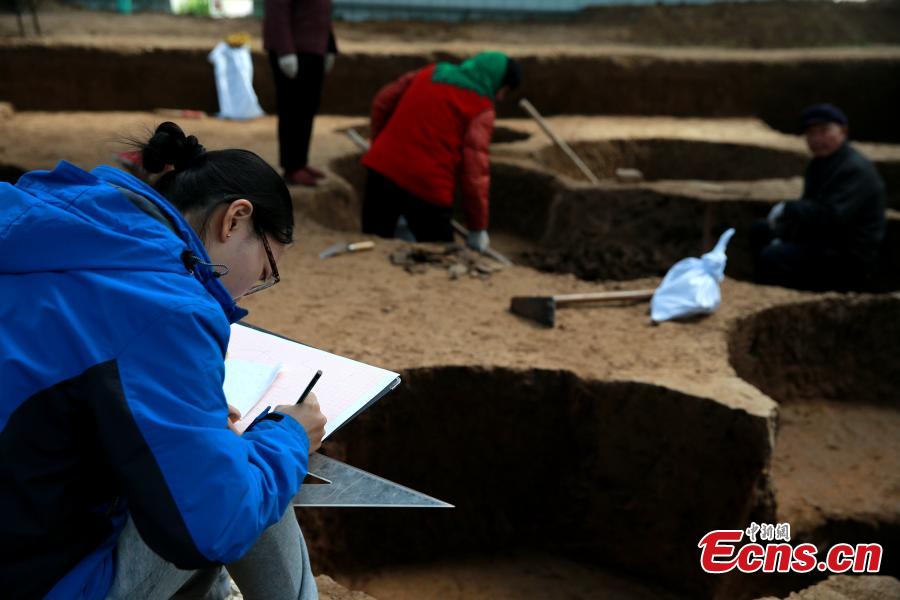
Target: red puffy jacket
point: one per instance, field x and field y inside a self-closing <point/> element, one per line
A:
<point x="428" y="135"/>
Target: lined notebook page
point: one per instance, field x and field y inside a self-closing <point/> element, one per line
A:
<point x="346" y="386"/>
<point x="246" y="382"/>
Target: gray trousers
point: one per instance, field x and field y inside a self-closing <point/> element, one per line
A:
<point x="275" y="568"/>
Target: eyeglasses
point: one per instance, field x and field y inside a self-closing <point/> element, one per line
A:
<point x="273" y="276"/>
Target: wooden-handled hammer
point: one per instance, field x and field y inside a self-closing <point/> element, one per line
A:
<point x="543" y="308"/>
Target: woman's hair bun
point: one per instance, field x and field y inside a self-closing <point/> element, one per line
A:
<point x="169" y="146"/>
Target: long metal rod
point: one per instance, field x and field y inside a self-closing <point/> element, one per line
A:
<point x="531" y="110"/>
<point x="357" y="139"/>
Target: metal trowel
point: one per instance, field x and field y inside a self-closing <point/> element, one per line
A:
<point x="344" y="247"/>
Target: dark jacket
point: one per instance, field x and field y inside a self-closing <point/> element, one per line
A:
<point x="298" y="26"/>
<point x="112" y="344"/>
<point x="842" y="209"/>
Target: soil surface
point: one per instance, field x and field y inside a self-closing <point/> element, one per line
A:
<point x="856" y="445"/>
<point x="844" y="587"/>
<point x="95" y="61"/>
<point x="743" y="25"/>
<point x="608" y="363"/>
<point x="519" y="577"/>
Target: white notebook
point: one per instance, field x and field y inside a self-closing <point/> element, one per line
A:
<point x="246" y="382"/>
<point x="347" y="387"/>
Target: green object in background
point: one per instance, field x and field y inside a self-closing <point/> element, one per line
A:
<point x="198" y="8"/>
<point x="124" y="6"/>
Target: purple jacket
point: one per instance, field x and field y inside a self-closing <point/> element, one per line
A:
<point x="295" y="26"/>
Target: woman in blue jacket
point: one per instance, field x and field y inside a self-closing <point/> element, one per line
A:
<point x="121" y="477"/>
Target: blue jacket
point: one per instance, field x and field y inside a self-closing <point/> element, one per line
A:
<point x="112" y="340"/>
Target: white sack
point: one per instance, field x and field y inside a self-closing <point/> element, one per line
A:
<point x="691" y="287"/>
<point x="234" y="82"/>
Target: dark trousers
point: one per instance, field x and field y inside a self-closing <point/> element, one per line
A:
<point x="383" y="203"/>
<point x="801" y="266"/>
<point x="297" y="101"/>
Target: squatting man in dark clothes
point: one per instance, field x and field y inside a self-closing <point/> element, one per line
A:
<point x="431" y="131"/>
<point x="830" y="238"/>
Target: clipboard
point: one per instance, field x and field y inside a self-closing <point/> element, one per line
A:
<point x="352" y="388"/>
<point x="346" y="389"/>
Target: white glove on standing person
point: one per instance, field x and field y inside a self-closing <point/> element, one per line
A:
<point x="329" y="62"/>
<point x="288" y="65"/>
<point x="478" y="240"/>
<point x="775" y="215"/>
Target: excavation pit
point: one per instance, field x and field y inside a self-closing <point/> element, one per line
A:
<point x="660" y="159"/>
<point x="501" y="134"/>
<point x="609" y="475"/>
<point x="833" y="365"/>
<point x="613" y="231"/>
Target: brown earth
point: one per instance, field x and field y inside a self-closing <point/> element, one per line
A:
<point x="93" y="61"/>
<point x="833" y="377"/>
<point x="329" y="589"/>
<point x="844" y="587"/>
<point x="741" y="25"/>
<point x="601" y="449"/>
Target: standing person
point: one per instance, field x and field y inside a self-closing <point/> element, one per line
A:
<point x="830" y="238"/>
<point x="301" y="45"/>
<point x="122" y="477"/>
<point x="431" y="131"/>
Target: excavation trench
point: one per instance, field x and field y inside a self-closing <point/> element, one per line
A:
<point x="714" y="83"/>
<point x="834" y="367"/>
<point x="676" y="159"/>
<point x="501" y="134"/>
<point x="614" y="476"/>
<point x="614" y="231"/>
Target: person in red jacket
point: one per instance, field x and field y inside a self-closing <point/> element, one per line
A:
<point x="300" y="41"/>
<point x="431" y="131"/>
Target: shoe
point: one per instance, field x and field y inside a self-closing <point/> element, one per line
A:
<point x="300" y="177"/>
<point x="317" y="173"/>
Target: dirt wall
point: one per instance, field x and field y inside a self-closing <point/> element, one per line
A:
<point x="611" y="473"/>
<point x="57" y="77"/>
<point x="622" y="232"/>
<point x="834" y="349"/>
<point x="677" y="159"/>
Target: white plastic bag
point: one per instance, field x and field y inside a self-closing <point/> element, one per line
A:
<point x="691" y="287"/>
<point x="234" y="82"/>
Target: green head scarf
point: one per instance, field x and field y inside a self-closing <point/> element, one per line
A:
<point x="483" y="73"/>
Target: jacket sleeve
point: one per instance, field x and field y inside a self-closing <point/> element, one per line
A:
<point x="198" y="493"/>
<point x="278" y="20"/>
<point x="386" y="101"/>
<point x="475" y="170"/>
<point x="847" y="197"/>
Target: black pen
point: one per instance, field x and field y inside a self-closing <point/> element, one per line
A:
<point x="309" y="387"/>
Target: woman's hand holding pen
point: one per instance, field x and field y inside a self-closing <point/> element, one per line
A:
<point x="234" y="415"/>
<point x="310" y="416"/>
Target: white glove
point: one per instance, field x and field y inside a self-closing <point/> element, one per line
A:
<point x="478" y="240"/>
<point x="329" y="62"/>
<point x="288" y="65"/>
<point x="775" y="215"/>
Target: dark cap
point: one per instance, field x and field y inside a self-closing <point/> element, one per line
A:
<point x="822" y="113"/>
